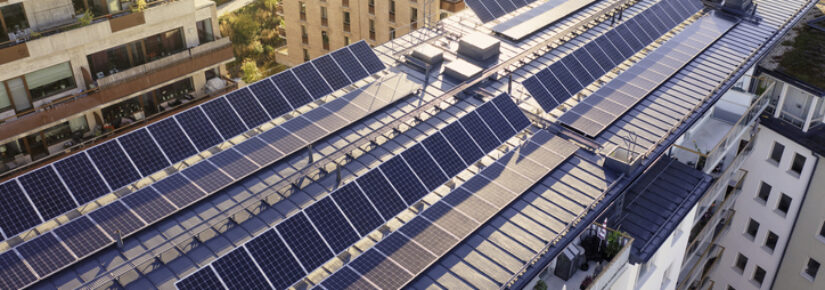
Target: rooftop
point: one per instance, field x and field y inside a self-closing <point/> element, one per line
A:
<point x="814" y="139"/>
<point x="801" y="54"/>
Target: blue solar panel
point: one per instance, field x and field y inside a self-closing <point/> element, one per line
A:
<point x="506" y="5"/>
<point x="115" y="218"/>
<point x="238" y="271"/>
<point x="148" y="204"/>
<point x="247" y="107"/>
<point x="47" y="192"/>
<point x="386" y="276"/>
<point x="233" y="163"/>
<point x="493" y="7"/>
<point x="367" y="57"/>
<point x="224" y="118"/>
<point x="112" y="162"/>
<point x="293" y="91"/>
<point x="376" y="187"/>
<point x="81" y="177"/>
<point x="490" y="115"/>
<point x="172" y="140"/>
<point x="424" y="166"/>
<point x="179" y="190"/>
<point x="618" y="42"/>
<point x="353" y="68"/>
<point x="259" y="151"/>
<point x="480" y="10"/>
<point x="600" y="56"/>
<point x="513" y="114"/>
<point x="207" y="176"/>
<point x="45" y="254"/>
<point x="655" y="23"/>
<point x="588" y="63"/>
<point x="143" y="151"/>
<point x="16" y="213"/>
<point x="275" y="260"/>
<point x="578" y="71"/>
<point x="304" y="241"/>
<point x="331" y="72"/>
<point x="480" y="133"/>
<point x="203" y="279"/>
<point x="566" y="79"/>
<point x="345" y="278"/>
<point x="540" y="94"/>
<point x="629" y="37"/>
<point x="269" y="96"/>
<point x="13" y="273"/>
<point x="645" y="36"/>
<point x="82" y="236"/>
<point x="198" y="128"/>
<point x="659" y="11"/>
<point x="283" y="140"/>
<point x="312" y="80"/>
<point x="462" y="142"/>
<point x="444" y="154"/>
<point x="615" y="56"/>
<point x="402" y="178"/>
<point x="552" y="84"/>
<point x="357" y="208"/>
<point x="332" y="225"/>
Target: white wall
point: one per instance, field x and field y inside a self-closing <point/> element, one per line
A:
<point x="664" y="267"/>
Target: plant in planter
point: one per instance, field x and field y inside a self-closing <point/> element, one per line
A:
<point x="87" y="18"/>
<point x="586" y="282"/>
<point x="540" y="285"/>
<point x="613" y="244"/>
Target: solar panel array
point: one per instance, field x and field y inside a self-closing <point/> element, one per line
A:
<point x="320" y="232"/>
<point x="618" y="96"/>
<point x="489" y="10"/>
<point x="566" y="77"/>
<point x="53" y="190"/>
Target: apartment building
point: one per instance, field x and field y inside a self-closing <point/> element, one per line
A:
<point x="72" y="72"/>
<point x="316" y="27"/>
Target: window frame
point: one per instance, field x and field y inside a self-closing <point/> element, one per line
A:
<point x="763" y="274"/>
<point x="744" y="259"/>
<point x="771" y="157"/>
<point x="806" y="269"/>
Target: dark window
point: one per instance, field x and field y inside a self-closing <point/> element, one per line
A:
<point x="205" y="31"/>
<point x="822" y="230"/>
<point x="741" y="262"/>
<point x="798" y="163"/>
<point x="759" y="275"/>
<point x="784" y="203"/>
<point x="49" y="81"/>
<point x="731" y="287"/>
<point x="753" y="228"/>
<point x="764" y="191"/>
<point x="306" y="55"/>
<point x="776" y="153"/>
<point x="812" y="268"/>
<point x="12" y="21"/>
<point x="136" y="53"/>
<point x="771" y="241"/>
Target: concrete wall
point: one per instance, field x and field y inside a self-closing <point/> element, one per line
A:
<point x="662" y="270"/>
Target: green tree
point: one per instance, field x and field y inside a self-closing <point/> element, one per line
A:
<point x="245" y="29"/>
<point x="251" y="72"/>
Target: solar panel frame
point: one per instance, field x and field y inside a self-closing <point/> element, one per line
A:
<point x="142" y="150"/>
<point x="224" y="118"/>
<point x="275" y="259"/>
<point x="271" y="98"/>
<point x="178" y="190"/>
<point x="249" y="109"/>
<point x="332" y="224"/>
<point x="171" y="139"/>
<point x="207" y="176"/>
<point x="116" y="217"/>
<point x="357" y="208"/>
<point x="312" y="80"/>
<point x="238" y="271"/>
<point x="148" y="204"/>
<point x="354" y="70"/>
<point x="113" y="164"/>
<point x="45" y="254"/>
<point x="380" y="192"/>
<point x="305" y="242"/>
<point x="291" y="88"/>
<point x="367" y="57"/>
<point x="424" y="166"/>
<point x="198" y="128"/>
<point x="17" y="213"/>
<point x="204" y="278"/>
<point x="47" y="192"/>
<point x="403" y="180"/>
<point x="82" y="236"/>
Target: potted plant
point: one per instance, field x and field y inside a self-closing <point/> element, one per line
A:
<point x="613" y="244"/>
<point x="586" y="282"/>
<point x="540" y="285"/>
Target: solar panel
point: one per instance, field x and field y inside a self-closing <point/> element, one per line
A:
<point x="45" y="254"/>
<point x="260" y="152"/>
<point x="198" y="128"/>
<point x="553" y="85"/>
<point x="282" y="140"/>
<point x="479" y="131"/>
<point x="346" y="278"/>
<point x="248" y="108"/>
<point x="224" y="118"/>
<point x="566" y="79"/>
<point x="493" y="118"/>
<point x="331" y="72"/>
<point x="345" y="59"/>
<point x="16" y="212"/>
<point x="116" y="218"/>
<point x="269" y="96"/>
<point x="82" y="236"/>
<point x="13" y="273"/>
<point x="357" y="208"/>
<point x="378" y="190"/>
<point x="540" y="94"/>
<point x="600" y="56"/>
<point x="148" y="204"/>
<point x="480" y="10"/>
<point x="207" y="176"/>
<point x="645" y="36"/>
<point x="305" y="129"/>
<point x="618" y="41"/>
<point x="610" y="50"/>
<point x="238" y="271"/>
<point x="424" y="166"/>
<point x="112" y="162"/>
<point x="510" y="111"/>
<point x="630" y="37"/>
<point x="312" y="80"/>
<point x="588" y="63"/>
<point x="81" y="178"/>
<point x="462" y="142"/>
<point x="47" y="192"/>
<point x="444" y="154"/>
<point x="143" y="151"/>
<point x="200" y="280"/>
<point x="275" y="260"/>
<point x="233" y="163"/>
<point x="304" y="241"/>
<point x="172" y="140"/>
<point x="402" y="178"/>
<point x="577" y="70"/>
<point x="332" y="224"/>
<point x="378" y="269"/>
<point x="178" y="189"/>
<point x="493" y="7"/>
<point x="292" y="89"/>
<point x="405" y="252"/>
<point x="367" y="57"/>
<point x="428" y="235"/>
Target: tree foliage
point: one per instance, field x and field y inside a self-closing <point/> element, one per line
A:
<point x="251" y="72"/>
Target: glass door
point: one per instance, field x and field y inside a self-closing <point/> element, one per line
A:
<point x="19" y="95"/>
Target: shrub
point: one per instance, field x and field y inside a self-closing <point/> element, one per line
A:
<point x="251" y="72"/>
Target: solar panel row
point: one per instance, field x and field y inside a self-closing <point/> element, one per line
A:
<point x="566" y="77"/>
<point x="489" y="10"/>
<point x="334" y="223"/>
<point x="53" y="190"/>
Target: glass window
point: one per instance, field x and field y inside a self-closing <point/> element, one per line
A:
<point x="5" y="102"/>
<point x="413" y="15"/>
<point x="798" y="163"/>
<point x="764" y="192"/>
<point x="14" y="20"/>
<point x="812" y="268"/>
<point x="392" y="6"/>
<point x="323" y="12"/>
<point x="784" y="203"/>
<point x="753" y="228"/>
<point x="57" y="134"/>
<point x="346" y="40"/>
<point x="205" y="31"/>
<point x="741" y="262"/>
<point x="776" y="153"/>
<point x="50" y="81"/>
<point x="346" y="18"/>
<point x="771" y="241"/>
<point x="306" y="55"/>
<point x="822" y="230"/>
<point x="759" y="275"/>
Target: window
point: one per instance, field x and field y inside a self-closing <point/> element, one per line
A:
<point x="741" y="262"/>
<point x="371" y="5"/>
<point x="346" y="40"/>
<point x="812" y="268"/>
<point x="205" y="31"/>
<point x="776" y="153"/>
<point x="12" y="21"/>
<point x="822" y="230"/>
<point x="784" y="203"/>
<point x="753" y="228"/>
<point x="5" y="102"/>
<point x="392" y="10"/>
<point x="346" y="22"/>
<point x="324" y="20"/>
<point x="136" y="53"/>
<point x="50" y="81"/>
<point x="304" y="35"/>
<point x="771" y="240"/>
<point x="759" y="275"/>
<point x="414" y="17"/>
<point x="303" y="10"/>
<point x="306" y="54"/>
<point x="798" y="163"/>
<point x="764" y="192"/>
<point x="392" y="33"/>
<point x="372" y="29"/>
<point x="325" y="39"/>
